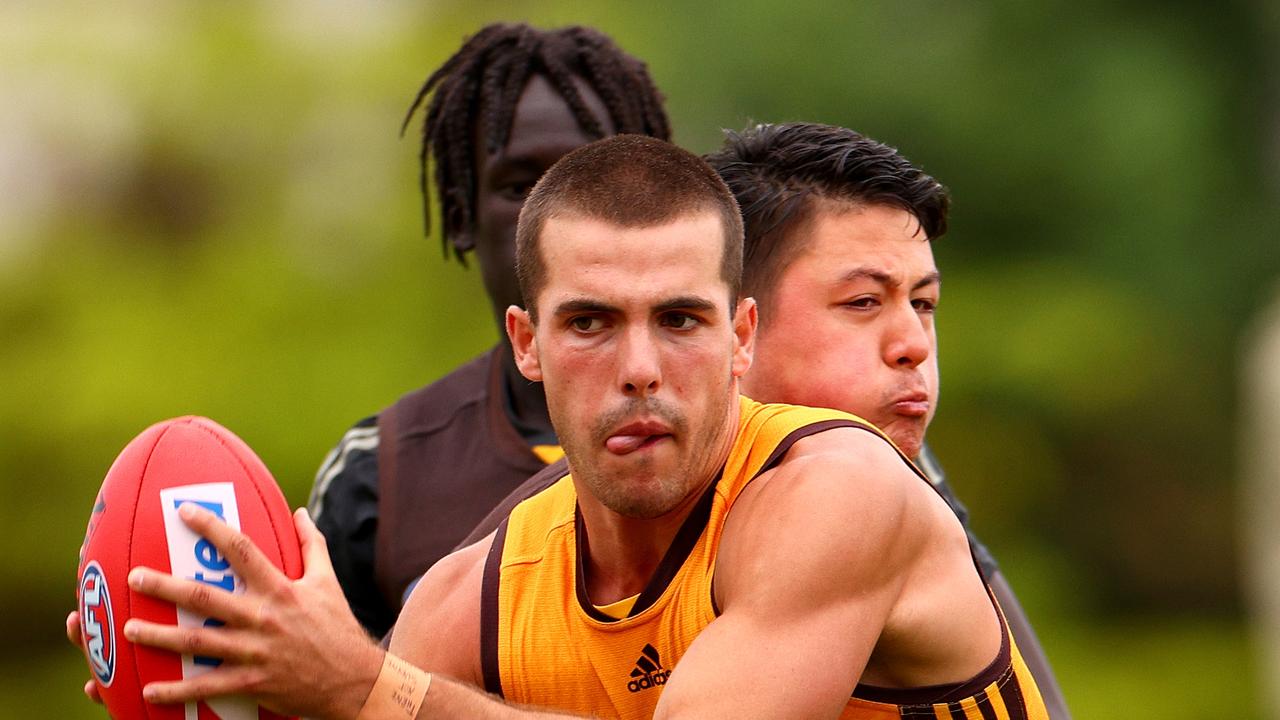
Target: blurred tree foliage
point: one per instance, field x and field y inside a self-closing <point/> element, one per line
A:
<point x="205" y="208"/>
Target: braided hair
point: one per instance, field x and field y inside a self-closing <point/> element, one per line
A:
<point x="488" y="73"/>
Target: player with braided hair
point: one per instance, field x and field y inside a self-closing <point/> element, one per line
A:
<point x="404" y="486"/>
<point x="481" y="85"/>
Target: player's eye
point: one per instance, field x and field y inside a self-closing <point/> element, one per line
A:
<point x="679" y="321"/>
<point x="925" y="305"/>
<point x="586" y="323"/>
<point x="864" y="302"/>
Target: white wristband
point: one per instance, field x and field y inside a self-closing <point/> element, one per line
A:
<point x="398" y="692"/>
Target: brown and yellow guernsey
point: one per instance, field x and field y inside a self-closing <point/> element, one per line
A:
<point x="544" y="644"/>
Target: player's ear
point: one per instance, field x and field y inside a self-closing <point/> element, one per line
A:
<point x="524" y="343"/>
<point x="745" y="318"/>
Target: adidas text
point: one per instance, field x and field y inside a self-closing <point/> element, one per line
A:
<point x="653" y="679"/>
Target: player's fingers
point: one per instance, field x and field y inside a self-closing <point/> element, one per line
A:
<point x="226" y="644"/>
<point x="315" y="551"/>
<point x="73" y="634"/>
<point x="245" y="557"/>
<point x="91" y="692"/>
<point x="227" y="679"/>
<point x="73" y="627"/>
<point x="201" y="598"/>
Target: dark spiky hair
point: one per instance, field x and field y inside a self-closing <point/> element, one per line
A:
<point x="487" y="75"/>
<point x="778" y="173"/>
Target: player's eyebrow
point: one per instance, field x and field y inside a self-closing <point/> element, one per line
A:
<point x="584" y="305"/>
<point x="884" y="278"/>
<point x="684" y="302"/>
<point x="932" y="278"/>
<point x="868" y="273"/>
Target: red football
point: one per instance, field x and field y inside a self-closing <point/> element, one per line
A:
<point x="135" y="522"/>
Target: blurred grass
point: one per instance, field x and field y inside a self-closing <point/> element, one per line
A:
<point x="1190" y="669"/>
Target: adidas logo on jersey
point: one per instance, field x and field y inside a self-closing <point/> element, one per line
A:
<point x="648" y="671"/>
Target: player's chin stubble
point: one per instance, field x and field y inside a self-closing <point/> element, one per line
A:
<point x="642" y="490"/>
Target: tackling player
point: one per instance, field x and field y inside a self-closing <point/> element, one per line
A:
<point x="404" y="486"/>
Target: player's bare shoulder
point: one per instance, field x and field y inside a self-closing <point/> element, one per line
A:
<point x="865" y="471"/>
<point x="439" y="626"/>
<point x="836" y="494"/>
<point x="843" y="470"/>
<point x="844" y="498"/>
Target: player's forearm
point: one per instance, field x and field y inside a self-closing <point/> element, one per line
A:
<point x="449" y="698"/>
<point x="1029" y="646"/>
<point x="402" y="691"/>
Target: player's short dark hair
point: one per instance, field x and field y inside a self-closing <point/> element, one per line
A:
<point x="780" y="172"/>
<point x="487" y="74"/>
<point x="628" y="181"/>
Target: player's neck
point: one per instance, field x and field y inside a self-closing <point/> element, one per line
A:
<point x="621" y="554"/>
<point x="528" y="401"/>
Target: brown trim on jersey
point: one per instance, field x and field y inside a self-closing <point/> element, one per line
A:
<point x="1010" y="689"/>
<point x="489" y="620"/>
<point x="799" y="434"/>
<point x="775" y="457"/>
<point x="994" y="672"/>
<point x="579" y="573"/>
<point x="542" y="480"/>
<point x="931" y="694"/>
<point x="685" y="540"/>
<point x="1011" y="693"/>
<point x="984" y="706"/>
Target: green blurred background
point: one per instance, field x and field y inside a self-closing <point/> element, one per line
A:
<point x="206" y="208"/>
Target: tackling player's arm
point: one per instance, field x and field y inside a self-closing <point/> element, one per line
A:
<point x="815" y="562"/>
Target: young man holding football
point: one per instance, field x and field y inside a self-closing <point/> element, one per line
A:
<point x="790" y="560"/>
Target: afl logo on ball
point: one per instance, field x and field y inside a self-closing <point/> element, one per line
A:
<point x="96" y="626"/>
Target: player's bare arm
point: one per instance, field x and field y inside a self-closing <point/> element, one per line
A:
<point x="439" y="626"/>
<point x="826" y="565"/>
<point x="439" y="629"/>
<point x="294" y="644"/>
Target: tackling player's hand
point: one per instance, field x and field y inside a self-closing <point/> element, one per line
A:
<point x="292" y="644"/>
<point x="73" y="634"/>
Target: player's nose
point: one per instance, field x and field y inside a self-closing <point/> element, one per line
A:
<point x="906" y="342"/>
<point x="639" y="364"/>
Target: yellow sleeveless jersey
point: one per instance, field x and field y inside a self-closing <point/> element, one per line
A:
<point x="544" y="644"/>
